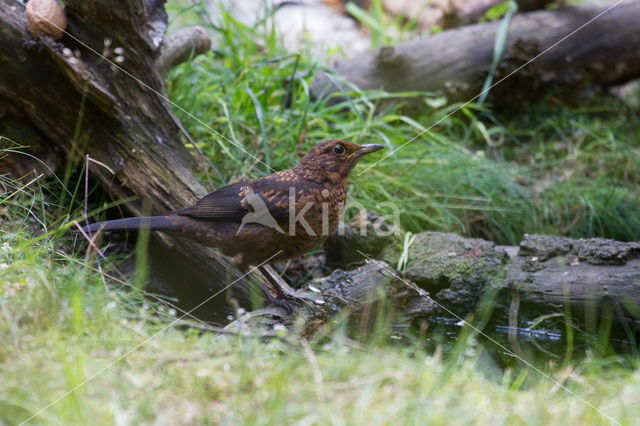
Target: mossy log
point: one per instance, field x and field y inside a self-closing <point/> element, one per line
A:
<point x="587" y="281"/>
<point x="588" y="274"/>
<point x="456" y="62"/>
<point x="546" y="274"/>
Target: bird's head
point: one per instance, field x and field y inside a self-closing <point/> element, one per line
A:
<point x="333" y="160"/>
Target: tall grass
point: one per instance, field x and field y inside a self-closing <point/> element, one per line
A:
<point x="534" y="174"/>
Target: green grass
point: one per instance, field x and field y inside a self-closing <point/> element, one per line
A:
<point x="61" y="322"/>
<point x="551" y="168"/>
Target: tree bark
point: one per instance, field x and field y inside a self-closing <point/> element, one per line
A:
<point x="455" y="63"/>
<point x="550" y="272"/>
<point x="547" y="271"/>
<point x="113" y="111"/>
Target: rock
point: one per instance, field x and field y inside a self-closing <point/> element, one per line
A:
<point x="629" y="93"/>
<point x="308" y="25"/>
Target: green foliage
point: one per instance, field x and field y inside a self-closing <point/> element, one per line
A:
<point x="498" y="10"/>
<point x="382" y="28"/>
<point x="467" y="173"/>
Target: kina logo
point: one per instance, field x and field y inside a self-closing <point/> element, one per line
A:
<point x="260" y="214"/>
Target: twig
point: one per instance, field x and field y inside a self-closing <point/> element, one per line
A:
<point x="90" y="239"/>
<point x="182" y="45"/>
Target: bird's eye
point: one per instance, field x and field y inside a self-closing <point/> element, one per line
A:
<point x="338" y="149"/>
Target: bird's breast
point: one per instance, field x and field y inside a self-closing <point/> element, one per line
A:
<point x="320" y="209"/>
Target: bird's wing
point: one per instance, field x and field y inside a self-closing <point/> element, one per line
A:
<point x="225" y="204"/>
<point x="233" y="202"/>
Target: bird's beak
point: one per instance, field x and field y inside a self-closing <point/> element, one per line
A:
<point x="367" y="149"/>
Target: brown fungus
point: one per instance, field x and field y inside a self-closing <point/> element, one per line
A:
<point x="45" y="17"/>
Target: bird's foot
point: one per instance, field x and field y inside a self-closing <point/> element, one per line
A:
<point x="279" y="293"/>
<point x="289" y="302"/>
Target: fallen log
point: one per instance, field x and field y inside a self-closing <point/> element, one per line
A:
<point x="585" y="281"/>
<point x="324" y="29"/>
<point x="589" y="275"/>
<point x="546" y="274"/>
<point x="98" y="91"/>
<point x="547" y="271"/>
<point x="455" y="63"/>
<point x="588" y="282"/>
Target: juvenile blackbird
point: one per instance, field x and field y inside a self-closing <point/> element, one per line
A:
<point x="276" y="217"/>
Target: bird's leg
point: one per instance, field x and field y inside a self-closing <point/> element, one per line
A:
<point x="278" y="291"/>
<point x="231" y="301"/>
<point x="281" y="287"/>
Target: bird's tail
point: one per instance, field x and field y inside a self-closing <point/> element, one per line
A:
<point x="155" y="223"/>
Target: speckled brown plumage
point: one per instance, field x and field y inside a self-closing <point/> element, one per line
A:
<point x="250" y="220"/>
